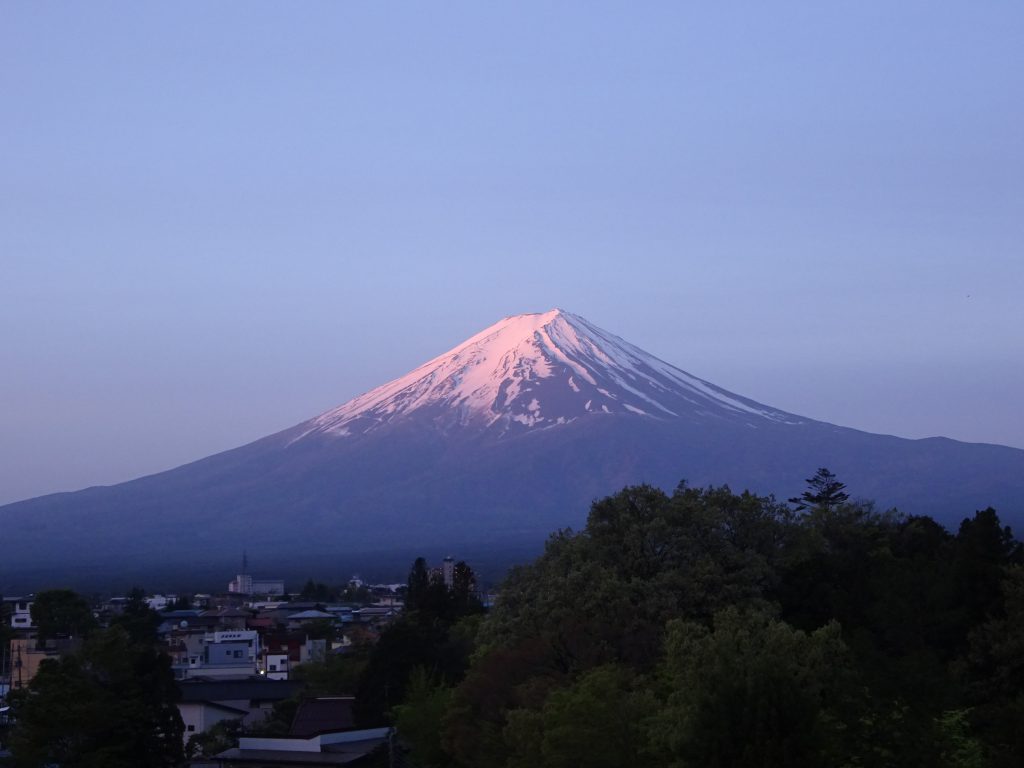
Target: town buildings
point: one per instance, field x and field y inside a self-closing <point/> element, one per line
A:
<point x="234" y="656"/>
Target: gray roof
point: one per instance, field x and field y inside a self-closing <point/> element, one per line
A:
<point x="331" y="755"/>
<point x="302" y="615"/>
<point x="253" y="689"/>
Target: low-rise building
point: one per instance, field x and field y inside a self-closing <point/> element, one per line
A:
<point x="205" y="703"/>
<point x="340" y="748"/>
<point x="27" y="653"/>
<point x="20" y="609"/>
<point x="220" y="654"/>
<point x="244" y="584"/>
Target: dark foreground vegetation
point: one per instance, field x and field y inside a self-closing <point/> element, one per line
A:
<point x="703" y="628"/>
<point x="710" y="629"/>
<point x="110" y="704"/>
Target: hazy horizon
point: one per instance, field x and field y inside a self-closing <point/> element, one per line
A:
<point x="219" y="221"/>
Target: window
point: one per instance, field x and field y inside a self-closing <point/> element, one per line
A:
<point x="273" y="667"/>
<point x="191" y="728"/>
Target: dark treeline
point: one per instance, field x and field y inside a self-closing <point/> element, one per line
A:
<point x="111" y="703"/>
<point x="707" y="628"/>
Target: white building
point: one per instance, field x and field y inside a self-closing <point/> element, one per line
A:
<point x="244" y="584"/>
<point x="21" y="612"/>
<point x="223" y="654"/>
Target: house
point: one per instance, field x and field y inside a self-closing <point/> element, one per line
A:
<point x="161" y="602"/>
<point x="220" y="654"/>
<point x="20" y="609"/>
<point x="229" y="618"/>
<point x="244" y="584"/>
<point x="114" y="606"/>
<point x="186" y="621"/>
<point x="303" y="618"/>
<point x="375" y="614"/>
<point x="275" y="666"/>
<point x="205" y="703"/>
<point x="27" y="653"/>
<point x="282" y="651"/>
<point x="339" y="748"/>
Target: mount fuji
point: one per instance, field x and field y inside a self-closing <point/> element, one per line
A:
<point x="496" y="443"/>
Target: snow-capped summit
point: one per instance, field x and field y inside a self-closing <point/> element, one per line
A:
<point x="541" y="370"/>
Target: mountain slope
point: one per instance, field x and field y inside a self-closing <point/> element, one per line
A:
<point x="498" y="442"/>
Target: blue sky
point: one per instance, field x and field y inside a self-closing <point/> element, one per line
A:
<point x="219" y="219"/>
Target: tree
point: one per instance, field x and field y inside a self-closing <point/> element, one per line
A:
<point x="600" y="599"/>
<point x="403" y="646"/>
<point x="428" y="598"/>
<point x="354" y="593"/>
<point x="110" y="705"/>
<point x="61" y="612"/>
<point x="995" y="666"/>
<point x="959" y="749"/>
<point x="320" y="629"/>
<point x="823" y="492"/>
<point x="418" y="585"/>
<point x="221" y="736"/>
<point x="463" y="597"/>
<point x="599" y="721"/>
<point x="430" y="634"/>
<point x="603" y="595"/>
<point x="749" y="691"/>
<point x="419" y="719"/>
<point x="6" y="633"/>
<point x="336" y="674"/>
<point x="712" y="621"/>
<point x="314" y="590"/>
<point x="983" y="549"/>
<point x="138" y="619"/>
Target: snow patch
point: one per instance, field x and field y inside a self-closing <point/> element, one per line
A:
<point x="486" y="377"/>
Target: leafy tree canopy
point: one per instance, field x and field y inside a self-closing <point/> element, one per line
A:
<point x="111" y="705"/>
<point x="138" y="619"/>
<point x="709" y="628"/>
<point x="61" y="612"/>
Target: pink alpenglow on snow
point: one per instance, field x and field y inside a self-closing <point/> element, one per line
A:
<point x="541" y="370"/>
